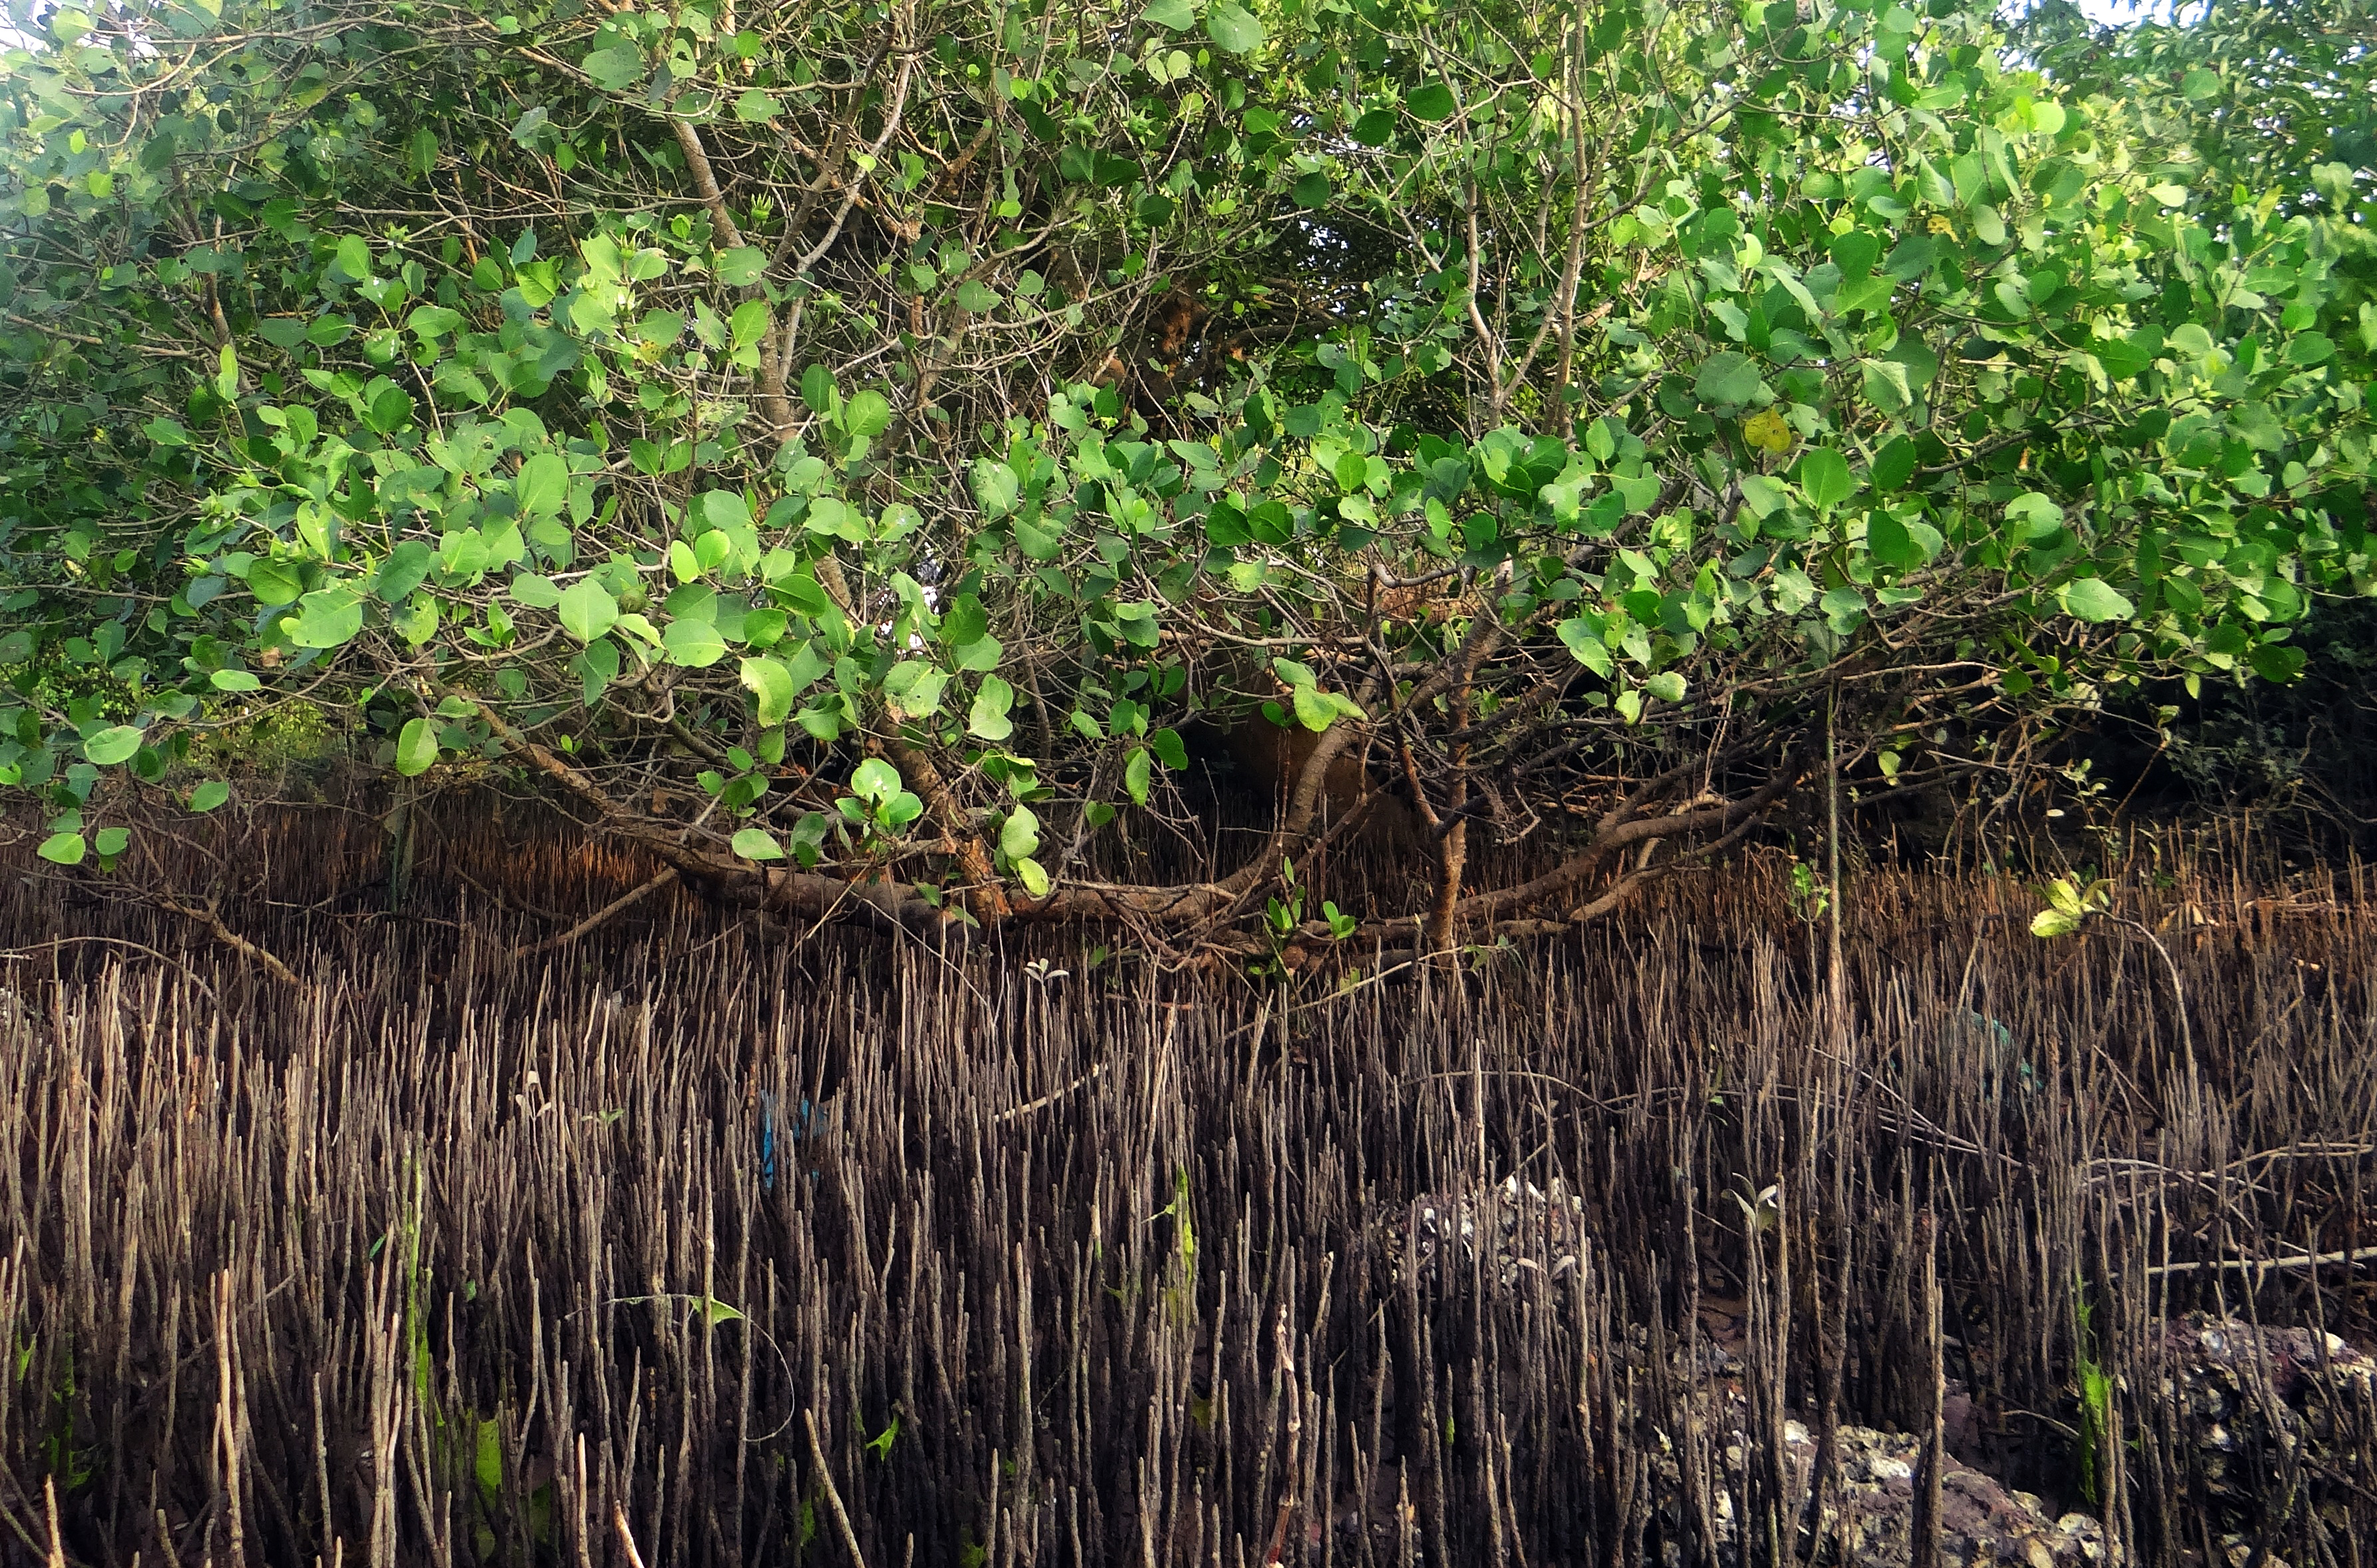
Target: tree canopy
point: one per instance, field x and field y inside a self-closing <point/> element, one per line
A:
<point x="906" y="431"/>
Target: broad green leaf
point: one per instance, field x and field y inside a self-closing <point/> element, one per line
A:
<point x="1583" y="639"/>
<point x="1432" y="102"/>
<point x="209" y="795"/>
<point x="2094" y="599"/>
<point x="2053" y="922"/>
<point x="1034" y="880"/>
<point x="542" y="486"/>
<point x="988" y="718"/>
<point x="695" y="644"/>
<point x="1893" y="465"/>
<point x="588" y="610"/>
<point x="1726" y="380"/>
<point x="234" y="680"/>
<point x="758" y="843"/>
<point x="771" y="685"/>
<point x="1020" y="835"/>
<point x="1233" y="28"/>
<point x="1314" y="708"/>
<point x="416" y="747"/>
<point x="996" y="489"/>
<point x="1824" y="475"/>
<point x="1136" y="771"/>
<point x="742" y="267"/>
<point x="406" y="569"/>
<point x="62" y="849"/>
<point x="874" y="780"/>
<point x="866" y="414"/>
<point x="1177" y="15"/>
<point x="1899" y="544"/>
<point x="616" y="68"/>
<point x="274" y="583"/>
<point x="112" y="745"/>
<point x="328" y="617"/>
<point x="1169" y="749"/>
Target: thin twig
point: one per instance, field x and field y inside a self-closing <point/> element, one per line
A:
<point x="187" y="972"/>
<point x="2261" y="1266"/>
<point x="619" y="1522"/>
<point x="1044" y="1101"/>
<point x="561" y="939"/>
<point x="832" y="1498"/>
<point x="207" y="915"/>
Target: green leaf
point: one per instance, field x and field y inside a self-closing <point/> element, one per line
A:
<point x="2278" y="662"/>
<point x="755" y="107"/>
<point x="234" y="680"/>
<point x="112" y="745"/>
<point x="1583" y="639"/>
<point x="1312" y="190"/>
<point x="741" y="266"/>
<point x="1668" y="686"/>
<point x="996" y="489"/>
<point x="874" y="780"/>
<point x="488" y="1463"/>
<point x="209" y="795"/>
<point x="354" y="257"/>
<point x="416" y="747"/>
<point x="274" y="583"/>
<point x="695" y="644"/>
<point x="2094" y="599"/>
<point x="1315" y="709"/>
<point x="1432" y="101"/>
<point x="758" y="843"/>
<point x="987" y="719"/>
<point x="2053" y="922"/>
<point x="1020" y="835"/>
<point x="1726" y="380"/>
<point x="1893" y="465"/>
<point x="1035" y="881"/>
<point x="588" y="610"/>
<point x="329" y="618"/>
<point x="616" y="68"/>
<point x="1233" y="28"/>
<point x="1899" y="544"/>
<point x="1169" y="749"/>
<point x="62" y="849"/>
<point x="1824" y="475"/>
<point x="770" y="684"/>
<point x="867" y="414"/>
<point x="406" y="569"/>
<point x="543" y="487"/>
<point x="1177" y="15"/>
<point x="1136" y="771"/>
<point x="818" y="390"/>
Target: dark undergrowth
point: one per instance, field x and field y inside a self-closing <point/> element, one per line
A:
<point x="709" y="1235"/>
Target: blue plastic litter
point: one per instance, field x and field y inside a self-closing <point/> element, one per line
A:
<point x="805" y="1123"/>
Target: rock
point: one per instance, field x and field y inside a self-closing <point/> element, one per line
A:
<point x="2246" y="1397"/>
<point x="1870" y="1511"/>
<point x="1533" y="1229"/>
